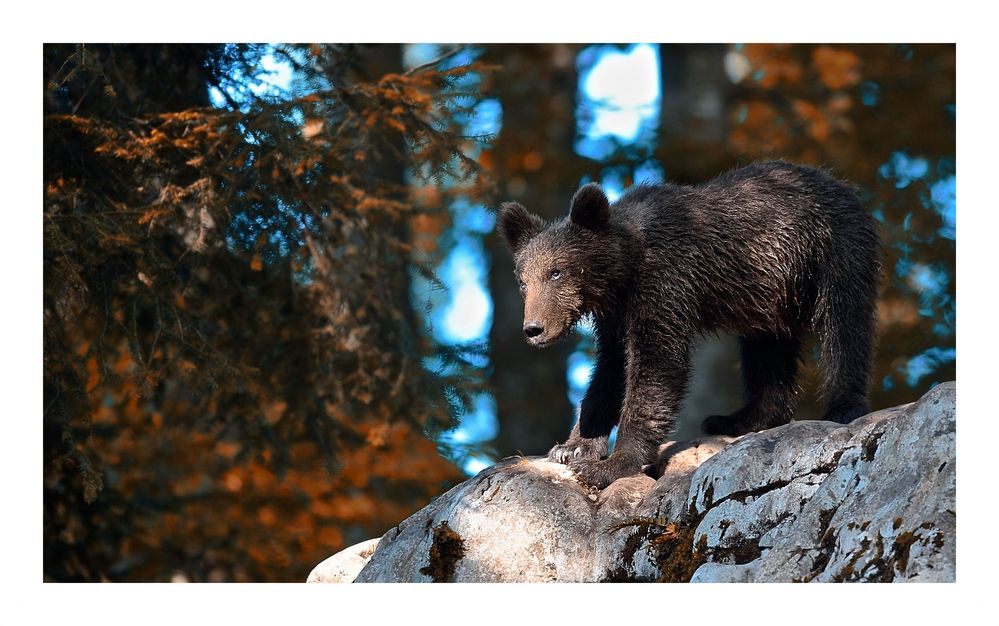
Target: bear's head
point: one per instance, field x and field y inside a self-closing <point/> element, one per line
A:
<point x="565" y="269"/>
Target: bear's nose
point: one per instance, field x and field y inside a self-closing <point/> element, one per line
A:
<point x="533" y="329"/>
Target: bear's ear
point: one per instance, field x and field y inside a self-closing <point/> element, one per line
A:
<point x="517" y="226"/>
<point x="590" y="208"/>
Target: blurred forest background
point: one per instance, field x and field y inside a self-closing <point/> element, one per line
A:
<point x="277" y="320"/>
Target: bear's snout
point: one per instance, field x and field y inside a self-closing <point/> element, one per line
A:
<point x="533" y="329"/>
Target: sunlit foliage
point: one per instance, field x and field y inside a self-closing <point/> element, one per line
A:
<point x="226" y="305"/>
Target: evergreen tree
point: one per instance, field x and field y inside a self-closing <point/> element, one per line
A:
<point x="226" y="312"/>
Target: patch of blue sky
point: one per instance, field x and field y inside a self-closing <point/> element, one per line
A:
<point x="612" y="179"/>
<point x="931" y="284"/>
<point x="928" y="278"/>
<point x="475" y="464"/>
<point x="477" y="425"/>
<point x="945" y="328"/>
<point x="612" y="183"/>
<point x="416" y="54"/>
<point x="216" y="97"/>
<point x="650" y="172"/>
<point x="468" y="313"/>
<point x="486" y="118"/>
<point x="464" y="57"/>
<point x="943" y="195"/>
<point x="620" y="93"/>
<point x="273" y="81"/>
<point x="586" y="326"/>
<point x="434" y="364"/>
<point x="578" y="373"/>
<point x="597" y="149"/>
<point x="926" y="363"/>
<point x="472" y="218"/>
<point x="904" y="169"/>
<point x="580" y="363"/>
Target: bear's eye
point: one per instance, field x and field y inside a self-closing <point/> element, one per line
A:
<point x="555" y="274"/>
<point x="522" y="285"/>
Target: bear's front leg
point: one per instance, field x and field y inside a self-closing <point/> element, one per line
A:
<point x="655" y="385"/>
<point x="601" y="406"/>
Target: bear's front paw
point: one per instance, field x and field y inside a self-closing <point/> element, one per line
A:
<point x="577" y="449"/>
<point x="602" y="473"/>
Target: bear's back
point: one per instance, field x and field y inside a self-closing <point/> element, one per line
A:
<point x="747" y="244"/>
<point x="772" y="202"/>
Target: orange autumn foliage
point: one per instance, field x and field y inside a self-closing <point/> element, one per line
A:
<point x="234" y="379"/>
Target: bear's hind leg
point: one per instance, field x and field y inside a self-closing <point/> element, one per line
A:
<point x="846" y="324"/>
<point x="769" y="367"/>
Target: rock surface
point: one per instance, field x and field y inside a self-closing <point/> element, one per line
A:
<point x="807" y="502"/>
<point x="343" y="566"/>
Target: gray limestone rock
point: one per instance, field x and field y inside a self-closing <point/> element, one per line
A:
<point x="810" y="501"/>
<point x="343" y="566"/>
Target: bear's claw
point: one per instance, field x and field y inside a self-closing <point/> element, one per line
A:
<point x="574" y="450"/>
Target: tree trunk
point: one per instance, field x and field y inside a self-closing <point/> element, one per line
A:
<point x="537" y="87"/>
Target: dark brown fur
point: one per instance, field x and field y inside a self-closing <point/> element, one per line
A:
<point x="770" y="252"/>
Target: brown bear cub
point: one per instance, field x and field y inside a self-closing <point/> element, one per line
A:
<point x="769" y="252"/>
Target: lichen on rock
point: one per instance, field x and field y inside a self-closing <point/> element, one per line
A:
<point x="446" y="549"/>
